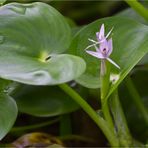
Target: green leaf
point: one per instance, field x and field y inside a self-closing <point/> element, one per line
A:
<point x="137" y="124"/>
<point x="130" y="13"/>
<point x="130" y="44"/>
<point x="4" y="84"/>
<point x="32" y="38"/>
<point x="44" y="101"/>
<point x="8" y="114"/>
<point x="2" y="1"/>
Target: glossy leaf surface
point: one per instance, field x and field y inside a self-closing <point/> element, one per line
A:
<point x="8" y="114"/>
<point x="32" y="38"/>
<point x="130" y="44"/>
<point x="44" y="101"/>
<point x="130" y="13"/>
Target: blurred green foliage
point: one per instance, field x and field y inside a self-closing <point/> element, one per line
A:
<point x="82" y="12"/>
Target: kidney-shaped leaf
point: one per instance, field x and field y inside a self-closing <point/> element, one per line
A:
<point x="44" y="101"/>
<point x="32" y="38"/>
<point x="8" y="114"/>
<point x="130" y="44"/>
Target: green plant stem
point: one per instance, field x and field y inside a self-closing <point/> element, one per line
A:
<point x="138" y="8"/>
<point x="107" y="115"/>
<point x="30" y="127"/>
<point x="123" y="132"/>
<point x="92" y="114"/>
<point x="136" y="98"/>
<point x="65" y="125"/>
<point x="105" y="80"/>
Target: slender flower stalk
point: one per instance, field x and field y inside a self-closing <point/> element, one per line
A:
<point x="104" y="48"/>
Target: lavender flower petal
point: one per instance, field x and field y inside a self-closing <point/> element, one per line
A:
<point x="104" y="48"/>
<point x="110" y="47"/>
<point x="95" y="54"/>
<point x="101" y="34"/>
